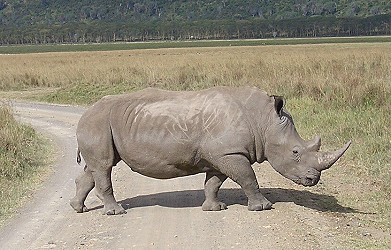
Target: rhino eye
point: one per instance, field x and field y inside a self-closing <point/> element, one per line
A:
<point x="296" y="150"/>
<point x="296" y="155"/>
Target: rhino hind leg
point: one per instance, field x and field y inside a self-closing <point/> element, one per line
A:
<point x="238" y="168"/>
<point x="104" y="190"/>
<point x="84" y="184"/>
<point x="213" y="182"/>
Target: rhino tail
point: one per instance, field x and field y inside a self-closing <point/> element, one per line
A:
<point x="78" y="157"/>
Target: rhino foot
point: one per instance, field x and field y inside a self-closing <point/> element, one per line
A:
<point x="118" y="209"/>
<point x="79" y="208"/>
<point x="260" y="205"/>
<point x="213" y="206"/>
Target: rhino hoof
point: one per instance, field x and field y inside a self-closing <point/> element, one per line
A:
<point x="213" y="206"/>
<point x="79" y="208"/>
<point x="115" y="211"/>
<point x="261" y="206"/>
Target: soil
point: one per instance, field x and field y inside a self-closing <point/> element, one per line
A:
<point x="167" y="214"/>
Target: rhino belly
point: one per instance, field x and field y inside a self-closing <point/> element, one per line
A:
<point x="162" y="170"/>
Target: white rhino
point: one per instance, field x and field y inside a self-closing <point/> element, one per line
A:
<point x="220" y="131"/>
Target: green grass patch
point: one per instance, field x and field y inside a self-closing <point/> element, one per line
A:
<point x="368" y="128"/>
<point x="23" y="154"/>
<point x="23" y="49"/>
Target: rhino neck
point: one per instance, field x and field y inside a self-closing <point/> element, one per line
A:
<point x="258" y="106"/>
<point x="259" y="141"/>
<point x="260" y="138"/>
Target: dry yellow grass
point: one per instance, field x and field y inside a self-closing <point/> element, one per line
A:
<point x="355" y="72"/>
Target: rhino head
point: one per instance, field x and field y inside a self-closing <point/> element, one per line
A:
<point x="290" y="155"/>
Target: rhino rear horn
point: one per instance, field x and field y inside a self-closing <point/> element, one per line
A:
<point x="314" y="144"/>
<point x="326" y="160"/>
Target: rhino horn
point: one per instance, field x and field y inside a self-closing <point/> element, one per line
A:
<point x="326" y="160"/>
<point x="314" y="144"/>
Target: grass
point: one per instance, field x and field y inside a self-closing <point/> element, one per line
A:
<point x="340" y="91"/>
<point x="22" y="154"/>
<point x="350" y="74"/>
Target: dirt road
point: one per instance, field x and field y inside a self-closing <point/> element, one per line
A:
<point x="166" y="214"/>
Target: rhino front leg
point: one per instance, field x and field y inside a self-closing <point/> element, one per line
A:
<point x="105" y="191"/>
<point x="84" y="184"/>
<point x="238" y="168"/>
<point x="213" y="182"/>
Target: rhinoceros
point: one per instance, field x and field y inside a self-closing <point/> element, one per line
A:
<point x="219" y="131"/>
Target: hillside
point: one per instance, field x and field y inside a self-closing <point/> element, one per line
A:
<point x="60" y="21"/>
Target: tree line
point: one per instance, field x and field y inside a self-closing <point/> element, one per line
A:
<point x="100" y="31"/>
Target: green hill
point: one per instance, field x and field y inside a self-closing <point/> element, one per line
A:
<point x="60" y="21"/>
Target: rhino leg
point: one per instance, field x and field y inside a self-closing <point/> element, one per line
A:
<point x="104" y="188"/>
<point x="238" y="168"/>
<point x="99" y="195"/>
<point x="84" y="184"/>
<point x="213" y="182"/>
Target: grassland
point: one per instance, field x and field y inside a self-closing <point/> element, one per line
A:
<point x="340" y="91"/>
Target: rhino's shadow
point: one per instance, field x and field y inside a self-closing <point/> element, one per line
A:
<point x="195" y="198"/>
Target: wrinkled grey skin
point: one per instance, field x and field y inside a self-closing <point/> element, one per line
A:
<point x="219" y="131"/>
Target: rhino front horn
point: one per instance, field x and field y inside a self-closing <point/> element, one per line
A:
<point x="326" y="160"/>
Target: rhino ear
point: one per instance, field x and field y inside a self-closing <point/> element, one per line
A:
<point x="278" y="104"/>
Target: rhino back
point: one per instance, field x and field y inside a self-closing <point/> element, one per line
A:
<point x="166" y="134"/>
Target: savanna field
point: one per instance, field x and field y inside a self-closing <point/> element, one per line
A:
<point x="338" y="91"/>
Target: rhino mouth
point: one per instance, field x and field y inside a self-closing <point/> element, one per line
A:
<point x="308" y="181"/>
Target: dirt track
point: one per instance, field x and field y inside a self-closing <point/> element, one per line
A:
<point x="166" y="214"/>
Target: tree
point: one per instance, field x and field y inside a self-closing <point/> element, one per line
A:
<point x="3" y="5"/>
